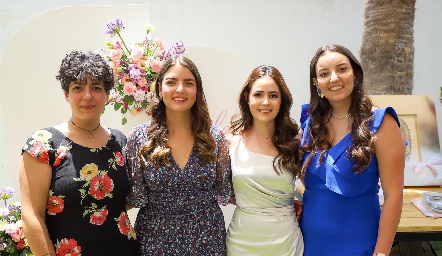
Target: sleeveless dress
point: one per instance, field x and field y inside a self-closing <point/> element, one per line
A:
<point x="264" y="221"/>
<point x="86" y="209"/>
<point x="341" y="209"/>
<point x="179" y="208"/>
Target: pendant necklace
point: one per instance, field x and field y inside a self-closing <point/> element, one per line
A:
<point x="90" y="132"/>
<point x="341" y="118"/>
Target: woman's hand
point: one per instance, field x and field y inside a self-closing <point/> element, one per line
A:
<point x="298" y="209"/>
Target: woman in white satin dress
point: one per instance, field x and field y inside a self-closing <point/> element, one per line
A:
<point x="265" y="156"/>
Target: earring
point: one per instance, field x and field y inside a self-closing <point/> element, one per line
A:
<point x="161" y="96"/>
<point x="320" y="94"/>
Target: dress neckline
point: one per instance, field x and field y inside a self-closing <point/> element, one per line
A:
<point x="111" y="136"/>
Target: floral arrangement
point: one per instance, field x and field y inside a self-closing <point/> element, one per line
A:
<point x="12" y="239"/>
<point x="135" y="68"/>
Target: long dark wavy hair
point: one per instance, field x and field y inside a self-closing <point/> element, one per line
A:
<point x="156" y="145"/>
<point x="362" y="149"/>
<point x="286" y="129"/>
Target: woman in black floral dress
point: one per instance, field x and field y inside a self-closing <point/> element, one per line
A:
<point x="179" y="169"/>
<point x="73" y="176"/>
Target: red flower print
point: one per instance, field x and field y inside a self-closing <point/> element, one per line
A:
<point x="55" y="205"/>
<point x="101" y="186"/>
<point x="124" y="224"/>
<point x="119" y="158"/>
<point x="61" y="154"/>
<point x="68" y="248"/>
<point x="39" y="152"/>
<point x="98" y="217"/>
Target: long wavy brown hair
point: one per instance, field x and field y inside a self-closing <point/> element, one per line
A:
<point x="156" y="148"/>
<point x="362" y="149"/>
<point x="289" y="153"/>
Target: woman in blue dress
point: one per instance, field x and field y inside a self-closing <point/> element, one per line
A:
<point x="348" y="145"/>
<point x="179" y="169"/>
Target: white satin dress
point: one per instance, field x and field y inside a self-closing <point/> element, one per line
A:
<point x="264" y="221"/>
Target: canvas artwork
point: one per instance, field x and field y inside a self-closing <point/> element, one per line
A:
<point x="417" y="116"/>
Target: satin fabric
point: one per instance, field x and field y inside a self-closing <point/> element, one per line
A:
<point x="264" y="221"/>
<point x="341" y="209"/>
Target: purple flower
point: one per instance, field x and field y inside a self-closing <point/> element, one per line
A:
<point x="134" y="73"/>
<point x="179" y="47"/>
<point x="112" y="28"/>
<point x="6" y="193"/>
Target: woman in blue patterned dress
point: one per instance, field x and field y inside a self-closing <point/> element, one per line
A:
<point x="73" y="176"/>
<point x="179" y="169"/>
<point x="349" y="144"/>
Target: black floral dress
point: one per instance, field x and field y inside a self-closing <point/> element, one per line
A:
<point x="179" y="208"/>
<point x="86" y="213"/>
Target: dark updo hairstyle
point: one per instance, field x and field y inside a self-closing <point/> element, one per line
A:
<point x="77" y="66"/>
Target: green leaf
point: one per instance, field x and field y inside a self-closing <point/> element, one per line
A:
<point x="117" y="106"/>
<point x="124" y="121"/>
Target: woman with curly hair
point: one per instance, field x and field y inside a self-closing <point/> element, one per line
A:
<point x="73" y="176"/>
<point x="179" y="168"/>
<point x="265" y="158"/>
<point x="348" y="145"/>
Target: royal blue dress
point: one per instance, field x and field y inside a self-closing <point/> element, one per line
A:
<point x="341" y="209"/>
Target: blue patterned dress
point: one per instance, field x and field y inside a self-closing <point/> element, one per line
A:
<point x="341" y="209"/>
<point x="179" y="211"/>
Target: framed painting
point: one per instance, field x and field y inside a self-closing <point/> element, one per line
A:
<point x="417" y="116"/>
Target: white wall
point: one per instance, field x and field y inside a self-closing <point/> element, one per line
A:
<point x="226" y="38"/>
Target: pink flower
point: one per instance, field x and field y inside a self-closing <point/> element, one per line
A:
<point x="18" y="235"/>
<point x="142" y="65"/>
<point x="142" y="82"/>
<point x="159" y="43"/>
<point x="129" y="88"/>
<point x="156" y="65"/>
<point x="116" y="55"/>
<point x="139" y="95"/>
<point x="116" y="44"/>
<point x="136" y="53"/>
<point x="125" y="79"/>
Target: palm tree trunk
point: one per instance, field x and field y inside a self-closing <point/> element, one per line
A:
<point x="387" y="56"/>
<point x="387" y="52"/>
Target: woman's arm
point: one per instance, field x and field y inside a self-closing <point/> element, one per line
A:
<point x="390" y="153"/>
<point x="35" y="179"/>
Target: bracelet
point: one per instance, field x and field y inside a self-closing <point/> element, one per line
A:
<point x="378" y="254"/>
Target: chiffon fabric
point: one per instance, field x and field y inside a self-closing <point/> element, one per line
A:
<point x="86" y="209"/>
<point x="264" y="221"/>
<point x="179" y="208"/>
<point x="340" y="208"/>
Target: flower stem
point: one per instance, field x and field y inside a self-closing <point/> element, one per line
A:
<point x="127" y="49"/>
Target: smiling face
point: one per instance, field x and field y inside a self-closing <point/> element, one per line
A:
<point x="335" y="77"/>
<point x="178" y="89"/>
<point x="87" y="99"/>
<point x="264" y="99"/>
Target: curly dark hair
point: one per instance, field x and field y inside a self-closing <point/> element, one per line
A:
<point x="77" y="66"/>
<point x="289" y="153"/>
<point x="158" y="132"/>
<point x="362" y="149"/>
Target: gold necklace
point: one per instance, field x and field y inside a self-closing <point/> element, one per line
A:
<point x="90" y="132"/>
<point x="341" y="118"/>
